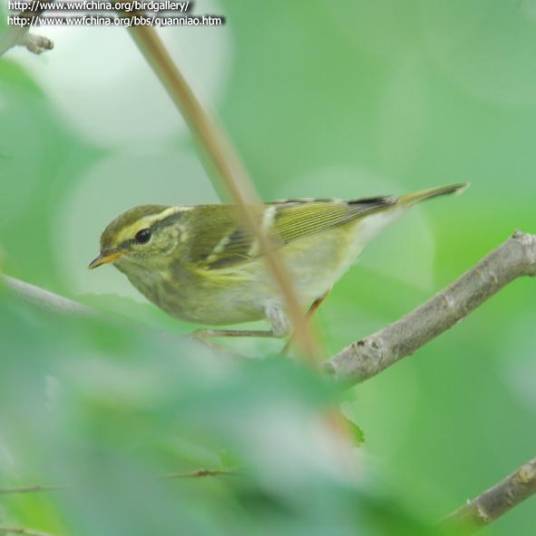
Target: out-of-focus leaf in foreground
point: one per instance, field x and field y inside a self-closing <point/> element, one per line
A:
<point x="108" y="409"/>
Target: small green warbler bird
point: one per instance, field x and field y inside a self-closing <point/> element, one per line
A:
<point x="200" y="264"/>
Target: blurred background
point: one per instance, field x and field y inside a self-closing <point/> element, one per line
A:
<point x="337" y="99"/>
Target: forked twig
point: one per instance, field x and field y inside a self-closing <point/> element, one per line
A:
<point x="367" y="357"/>
<point x="20" y="35"/>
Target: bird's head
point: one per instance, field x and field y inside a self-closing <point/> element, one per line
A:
<point x="145" y="236"/>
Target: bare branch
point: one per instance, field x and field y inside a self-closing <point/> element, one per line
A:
<point x="497" y="500"/>
<point x="43" y="298"/>
<point x="200" y="473"/>
<point x="22" y="531"/>
<point x="20" y="35"/>
<point x="30" y="489"/>
<point x="367" y="357"/>
<point x="230" y="171"/>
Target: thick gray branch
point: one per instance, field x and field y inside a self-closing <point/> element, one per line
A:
<point x="367" y="357"/>
<point x="497" y="500"/>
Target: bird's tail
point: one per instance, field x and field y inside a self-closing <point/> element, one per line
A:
<point x="416" y="197"/>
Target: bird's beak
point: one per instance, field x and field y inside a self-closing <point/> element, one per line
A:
<point x="105" y="258"/>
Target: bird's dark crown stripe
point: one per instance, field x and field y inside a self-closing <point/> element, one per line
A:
<point x="168" y="220"/>
<point x="154" y="226"/>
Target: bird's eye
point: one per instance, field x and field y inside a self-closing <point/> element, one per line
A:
<point x="143" y="236"/>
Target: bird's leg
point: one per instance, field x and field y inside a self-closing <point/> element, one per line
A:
<point x="205" y="336"/>
<point x="278" y="319"/>
<point x="316" y="304"/>
<point x="274" y="314"/>
<point x="212" y="333"/>
<point x="312" y="310"/>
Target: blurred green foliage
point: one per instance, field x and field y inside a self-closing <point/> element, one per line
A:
<point x="108" y="411"/>
<point x="342" y="99"/>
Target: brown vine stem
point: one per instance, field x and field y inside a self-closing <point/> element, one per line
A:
<point x="229" y="170"/>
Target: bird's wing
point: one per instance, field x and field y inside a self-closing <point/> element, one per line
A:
<point x="222" y="241"/>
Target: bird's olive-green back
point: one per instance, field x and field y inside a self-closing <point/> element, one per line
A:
<point x="221" y="241"/>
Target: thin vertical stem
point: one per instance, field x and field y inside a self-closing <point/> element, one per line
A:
<point x="230" y="171"/>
